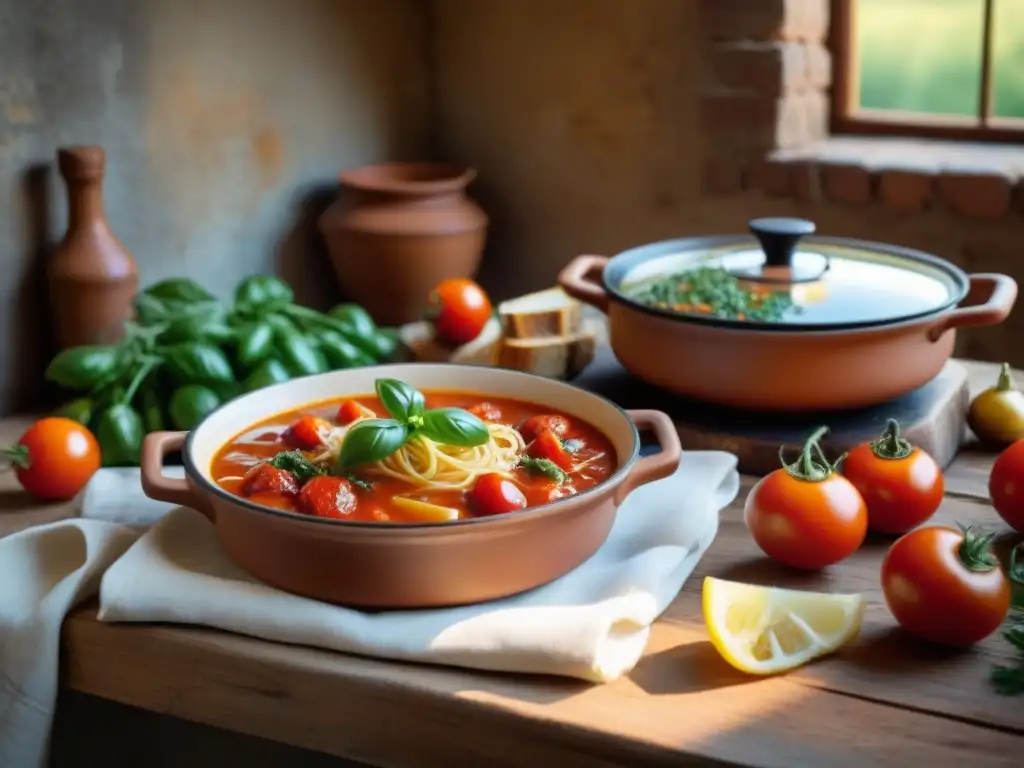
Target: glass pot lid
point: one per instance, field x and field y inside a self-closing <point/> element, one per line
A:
<point x="784" y="279"/>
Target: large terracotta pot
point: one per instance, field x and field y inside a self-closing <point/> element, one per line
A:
<point x="399" y="229"/>
<point x="404" y="565"/>
<point x="868" y="321"/>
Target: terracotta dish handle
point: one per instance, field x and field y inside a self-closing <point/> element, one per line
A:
<point x="659" y="465"/>
<point x="575" y="280"/>
<point x="156" y="484"/>
<point x="997" y="294"/>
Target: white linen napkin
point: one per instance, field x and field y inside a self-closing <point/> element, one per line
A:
<point x="44" y="572"/>
<point x="592" y="623"/>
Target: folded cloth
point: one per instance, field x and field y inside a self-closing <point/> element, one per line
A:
<point x="592" y="623"/>
<point x="115" y="494"/>
<point x="44" y="572"/>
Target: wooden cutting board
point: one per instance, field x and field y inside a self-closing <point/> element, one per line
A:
<point x="932" y="417"/>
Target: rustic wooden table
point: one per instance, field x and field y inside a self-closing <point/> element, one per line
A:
<point x="887" y="701"/>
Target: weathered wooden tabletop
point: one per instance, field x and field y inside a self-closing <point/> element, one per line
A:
<point x="887" y="701"/>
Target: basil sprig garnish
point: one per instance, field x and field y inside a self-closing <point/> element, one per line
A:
<point x="373" y="440"/>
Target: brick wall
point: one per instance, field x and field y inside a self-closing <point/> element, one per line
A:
<point x="765" y="117"/>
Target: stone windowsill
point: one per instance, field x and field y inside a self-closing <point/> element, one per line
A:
<point x="906" y="175"/>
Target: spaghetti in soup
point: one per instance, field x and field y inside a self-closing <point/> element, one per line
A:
<point x="412" y="457"/>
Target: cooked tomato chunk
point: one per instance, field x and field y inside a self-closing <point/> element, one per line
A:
<point x="486" y="411"/>
<point x="495" y="494"/>
<point x="350" y="410"/>
<point x="326" y="496"/>
<point x="266" y="478"/>
<point x="306" y="433"/>
<point x="533" y="426"/>
<point x="549" y="446"/>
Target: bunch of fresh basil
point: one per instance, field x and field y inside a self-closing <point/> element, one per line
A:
<point x="375" y="439"/>
<point x="186" y="353"/>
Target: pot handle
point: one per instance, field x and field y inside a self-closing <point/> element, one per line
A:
<point x="574" y="279"/>
<point x="156" y="485"/>
<point x="659" y="465"/>
<point x="997" y="294"/>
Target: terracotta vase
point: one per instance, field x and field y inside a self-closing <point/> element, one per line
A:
<point x="92" y="277"/>
<point x="399" y="229"/>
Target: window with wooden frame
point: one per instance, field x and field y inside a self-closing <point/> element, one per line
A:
<point x="929" y="68"/>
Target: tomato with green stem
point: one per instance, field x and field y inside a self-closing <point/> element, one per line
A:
<point x="805" y="514"/>
<point x="945" y="585"/>
<point x="902" y="485"/>
<point x="55" y="458"/>
<point x="459" y="309"/>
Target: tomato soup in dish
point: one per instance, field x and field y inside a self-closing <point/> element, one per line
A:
<point x="412" y="457"/>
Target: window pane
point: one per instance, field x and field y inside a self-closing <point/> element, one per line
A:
<point x="1008" y="59"/>
<point x="920" y="55"/>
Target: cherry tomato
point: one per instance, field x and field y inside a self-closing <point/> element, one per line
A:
<point x="306" y="433"/>
<point x="1006" y="485"/>
<point x="495" y="494"/>
<point x="805" y="514"/>
<point x="534" y="425"/>
<point x="55" y="458"/>
<point x="327" y="496"/>
<point x="486" y="411"/>
<point x="945" y="585"/>
<point x="460" y="309"/>
<point x="350" y="410"/>
<point x="547" y="445"/>
<point x="266" y="478"/>
<point x="902" y="485"/>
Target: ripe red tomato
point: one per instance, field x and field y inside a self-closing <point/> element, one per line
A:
<point x="55" y="458"/>
<point x="1006" y="485"/>
<point x="460" y="309"/>
<point x="495" y="494"/>
<point x="548" y="446"/>
<point x="805" y="514"/>
<point x="901" y="484"/>
<point x="266" y="478"/>
<point x="534" y="425"/>
<point x="327" y="496"/>
<point x="945" y="586"/>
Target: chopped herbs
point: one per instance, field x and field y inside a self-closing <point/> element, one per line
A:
<point x="296" y="463"/>
<point x="358" y="482"/>
<point x="304" y="469"/>
<point x="544" y="467"/>
<point x="714" y="291"/>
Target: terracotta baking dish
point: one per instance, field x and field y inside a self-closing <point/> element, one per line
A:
<point x="868" y="322"/>
<point x="400" y="565"/>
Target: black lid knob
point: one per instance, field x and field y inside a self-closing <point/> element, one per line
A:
<point x="779" y="238"/>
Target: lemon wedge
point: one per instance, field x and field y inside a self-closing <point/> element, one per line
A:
<point x="766" y="630"/>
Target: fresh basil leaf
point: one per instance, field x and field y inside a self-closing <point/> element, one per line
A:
<point x="180" y="289"/>
<point x="544" y="467"/>
<point x="1017" y="564"/>
<point x="199" y="363"/>
<point x="401" y="400"/>
<point x="297" y="464"/>
<point x="86" y="367"/>
<point x="454" y="426"/>
<point x="369" y="441"/>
